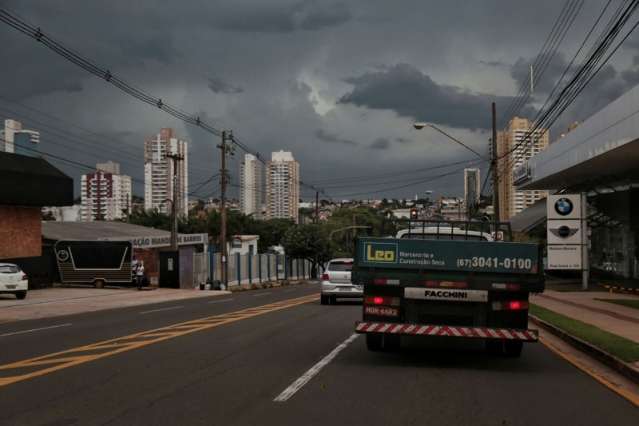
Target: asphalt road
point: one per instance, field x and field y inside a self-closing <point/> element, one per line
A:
<point x="232" y="373"/>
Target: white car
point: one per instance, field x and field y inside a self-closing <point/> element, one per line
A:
<point x="336" y="282"/>
<point x="13" y="280"/>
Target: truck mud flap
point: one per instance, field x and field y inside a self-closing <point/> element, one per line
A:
<point x="446" y="331"/>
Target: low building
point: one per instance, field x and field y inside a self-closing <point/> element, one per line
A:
<point x="28" y="184"/>
<point x="243" y="244"/>
<point x="150" y="245"/>
<point x="599" y="158"/>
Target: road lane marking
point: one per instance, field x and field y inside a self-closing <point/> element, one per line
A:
<point x="262" y="294"/>
<point x="13" y="333"/>
<point x="312" y="372"/>
<point x="221" y="301"/>
<point x="170" y="308"/>
<point x="630" y="396"/>
<point x="27" y="369"/>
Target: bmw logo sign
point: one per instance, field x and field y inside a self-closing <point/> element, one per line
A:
<point x="563" y="206"/>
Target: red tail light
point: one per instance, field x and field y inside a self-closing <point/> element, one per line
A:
<point x="381" y="300"/>
<point x="325" y="277"/>
<point x="510" y="305"/>
<point x="515" y="305"/>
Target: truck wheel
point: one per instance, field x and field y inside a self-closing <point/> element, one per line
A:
<point x="513" y="349"/>
<point x="98" y="283"/>
<point x="324" y="300"/>
<point x="391" y="342"/>
<point x="495" y="347"/>
<point x="374" y="342"/>
<point x="20" y="295"/>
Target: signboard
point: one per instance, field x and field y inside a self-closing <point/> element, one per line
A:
<point x="565" y="231"/>
<point x="449" y="255"/>
<point x="564" y="206"/>
<point x="165" y="241"/>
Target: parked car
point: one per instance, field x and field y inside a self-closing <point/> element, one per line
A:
<point x="13" y="280"/>
<point x="336" y="282"/>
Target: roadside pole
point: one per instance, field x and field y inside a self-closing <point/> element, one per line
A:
<point x="585" y="264"/>
<point x="174" y="219"/>
<point x="223" y="182"/>
<point x="494" y="167"/>
<point x="316" y="206"/>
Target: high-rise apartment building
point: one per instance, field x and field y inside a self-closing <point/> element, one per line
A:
<point x="105" y="194"/>
<point x="472" y="187"/>
<point x="251" y="186"/>
<point x="159" y="169"/>
<point x="282" y="186"/>
<point x="516" y="145"/>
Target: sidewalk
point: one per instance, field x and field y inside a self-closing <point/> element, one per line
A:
<point x="52" y="302"/>
<point x="607" y="331"/>
<point x="620" y="320"/>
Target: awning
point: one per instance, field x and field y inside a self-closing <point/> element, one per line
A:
<point x="529" y="218"/>
<point x="31" y="181"/>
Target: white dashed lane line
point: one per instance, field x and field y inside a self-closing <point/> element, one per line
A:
<point x="170" y="308"/>
<point x="220" y="301"/>
<point x="32" y="330"/>
<point x="313" y="371"/>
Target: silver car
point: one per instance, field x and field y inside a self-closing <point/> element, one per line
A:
<point x="336" y="282"/>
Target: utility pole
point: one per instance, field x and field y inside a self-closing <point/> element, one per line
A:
<point x="174" y="219"/>
<point x="494" y="165"/>
<point x="316" y="206"/>
<point x="224" y="150"/>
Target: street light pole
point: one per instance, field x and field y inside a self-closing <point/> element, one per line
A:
<point x="224" y="149"/>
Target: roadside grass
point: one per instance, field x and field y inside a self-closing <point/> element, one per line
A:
<point x="618" y="346"/>
<point x="623" y="302"/>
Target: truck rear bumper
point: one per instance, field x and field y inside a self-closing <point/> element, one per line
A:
<point x="446" y="331"/>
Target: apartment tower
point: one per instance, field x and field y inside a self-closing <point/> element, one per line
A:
<point x="105" y="194"/>
<point x="251" y="186"/>
<point x="282" y="186"/>
<point x="516" y="145"/>
<point x="159" y="170"/>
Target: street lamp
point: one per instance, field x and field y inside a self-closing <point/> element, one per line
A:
<point x="421" y="125"/>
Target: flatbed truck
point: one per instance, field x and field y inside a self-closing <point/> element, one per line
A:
<point x="448" y="281"/>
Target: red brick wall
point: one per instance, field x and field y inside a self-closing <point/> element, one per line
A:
<point x="20" y="232"/>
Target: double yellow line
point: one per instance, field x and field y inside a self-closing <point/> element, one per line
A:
<point x="39" y="366"/>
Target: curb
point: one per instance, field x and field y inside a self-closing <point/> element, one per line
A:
<point x="263" y="285"/>
<point x="619" y="289"/>
<point x="604" y="357"/>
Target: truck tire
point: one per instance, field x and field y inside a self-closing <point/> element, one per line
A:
<point x="324" y="300"/>
<point x="374" y="342"/>
<point x="391" y="342"/>
<point x="495" y="347"/>
<point x="98" y="283"/>
<point x="513" y="349"/>
<point x="20" y="295"/>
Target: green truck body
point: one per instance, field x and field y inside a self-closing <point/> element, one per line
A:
<point x="447" y="288"/>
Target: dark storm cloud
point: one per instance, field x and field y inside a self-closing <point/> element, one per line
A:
<point x="325" y="136"/>
<point x="402" y="140"/>
<point x="217" y="85"/>
<point x="266" y="18"/>
<point x="411" y="93"/>
<point x="495" y="64"/>
<point x="380" y="143"/>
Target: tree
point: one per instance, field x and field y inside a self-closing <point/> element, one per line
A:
<point x="308" y="242"/>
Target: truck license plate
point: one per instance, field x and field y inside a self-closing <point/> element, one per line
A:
<point x="447" y="294"/>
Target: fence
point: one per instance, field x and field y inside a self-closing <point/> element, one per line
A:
<point x="258" y="268"/>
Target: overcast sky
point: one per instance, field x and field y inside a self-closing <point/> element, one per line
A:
<point x="337" y="83"/>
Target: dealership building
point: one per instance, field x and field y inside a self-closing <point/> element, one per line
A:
<point x="600" y="159"/>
